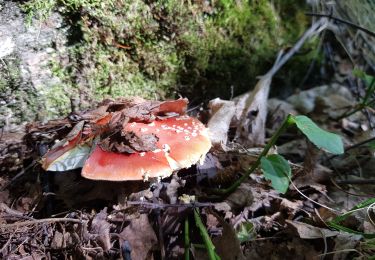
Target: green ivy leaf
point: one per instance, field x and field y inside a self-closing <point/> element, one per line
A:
<point x="276" y="169"/>
<point x="322" y="139"/>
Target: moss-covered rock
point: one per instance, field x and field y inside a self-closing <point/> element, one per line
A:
<point x="17" y="102"/>
<point x="28" y="90"/>
<point x="156" y="49"/>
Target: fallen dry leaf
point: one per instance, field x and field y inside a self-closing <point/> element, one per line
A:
<point x="100" y="229"/>
<point x="61" y="240"/>
<point x="222" y="112"/>
<point x="306" y="231"/>
<point x="296" y="249"/>
<point x="292" y="206"/>
<point x="343" y="242"/>
<point x="141" y="237"/>
<point x="278" y="111"/>
<point x="251" y="131"/>
<point x="227" y="245"/>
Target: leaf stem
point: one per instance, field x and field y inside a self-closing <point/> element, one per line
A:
<point x="288" y="121"/>
<point x="206" y="238"/>
<point x="357" y="108"/>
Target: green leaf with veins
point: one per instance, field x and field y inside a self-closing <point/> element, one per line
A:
<point x="327" y="141"/>
<point x="276" y="169"/>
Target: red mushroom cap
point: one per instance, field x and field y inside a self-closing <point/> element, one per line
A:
<point x="103" y="165"/>
<point x="182" y="141"/>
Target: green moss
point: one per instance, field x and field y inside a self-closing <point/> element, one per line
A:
<point x="57" y="101"/>
<point x="18" y="102"/>
<point x="157" y="48"/>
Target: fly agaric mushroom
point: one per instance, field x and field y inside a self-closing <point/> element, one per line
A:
<point x="155" y="138"/>
<point x="182" y="141"/>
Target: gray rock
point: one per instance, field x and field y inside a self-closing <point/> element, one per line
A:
<point x="26" y="50"/>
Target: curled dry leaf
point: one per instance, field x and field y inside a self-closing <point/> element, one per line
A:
<point x="100" y="230"/>
<point x="222" y="112"/>
<point x="251" y="130"/>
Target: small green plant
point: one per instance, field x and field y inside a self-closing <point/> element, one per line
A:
<point x="245" y="232"/>
<point x="336" y="222"/>
<point x="368" y="99"/>
<point x="275" y="167"/>
<point x="206" y="238"/>
<point x="208" y="245"/>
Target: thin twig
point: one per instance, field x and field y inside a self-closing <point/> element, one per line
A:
<point x="283" y="58"/>
<point x="330" y="16"/>
<point x="40" y="221"/>
<point x="155" y="205"/>
<point x="356" y="182"/>
<point x="313" y="201"/>
<point x="322" y="256"/>
<point x="342" y="251"/>
<point x="371" y="207"/>
<point x="22" y="172"/>
<point x="334" y="182"/>
<point x="3" y="249"/>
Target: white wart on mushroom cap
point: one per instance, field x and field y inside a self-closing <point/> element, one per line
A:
<point x="182" y="142"/>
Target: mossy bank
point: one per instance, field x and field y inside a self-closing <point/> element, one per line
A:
<point x="160" y="49"/>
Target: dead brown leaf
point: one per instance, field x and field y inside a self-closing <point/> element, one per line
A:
<point x="292" y="206"/>
<point x="100" y="230"/>
<point x="222" y="112"/>
<point x="343" y="242"/>
<point x="306" y="231"/>
<point x="227" y="245"/>
<point x="251" y="130"/>
<point x="141" y="238"/>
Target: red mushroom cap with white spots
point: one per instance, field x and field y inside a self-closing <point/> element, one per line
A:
<point x="182" y="142"/>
